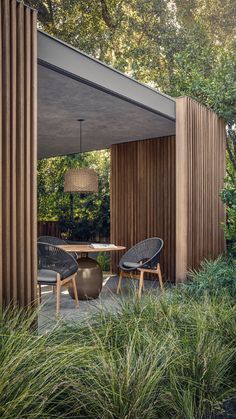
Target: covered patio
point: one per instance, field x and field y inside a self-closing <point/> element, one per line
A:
<point x="167" y="155"/>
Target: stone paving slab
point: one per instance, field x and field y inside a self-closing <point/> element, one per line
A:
<point x="108" y="300"/>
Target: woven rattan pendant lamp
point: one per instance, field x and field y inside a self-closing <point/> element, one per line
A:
<point x="81" y="180"/>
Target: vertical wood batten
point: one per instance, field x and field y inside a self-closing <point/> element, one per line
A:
<point x="20" y="159"/>
<point x="181" y="187"/>
<point x="27" y="140"/>
<point x="18" y="78"/>
<point x="13" y="151"/>
<point x="6" y="227"/>
<point x="200" y="171"/>
<point x="33" y="128"/>
<point x="1" y="172"/>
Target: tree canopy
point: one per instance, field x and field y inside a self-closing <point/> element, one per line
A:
<point x="145" y="39"/>
<point x="182" y="47"/>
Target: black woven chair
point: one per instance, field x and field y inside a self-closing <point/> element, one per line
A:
<point x="56" y="241"/>
<point x="57" y="268"/>
<point x="143" y="257"/>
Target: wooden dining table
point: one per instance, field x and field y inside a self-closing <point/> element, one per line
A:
<point x="89" y="276"/>
<point x="85" y="249"/>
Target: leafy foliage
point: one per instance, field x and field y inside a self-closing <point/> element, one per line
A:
<point x="214" y="279"/>
<point x="91" y="211"/>
<point x="181" y="47"/>
<point x="229" y="198"/>
<point x="104" y="261"/>
<point x="143" y="38"/>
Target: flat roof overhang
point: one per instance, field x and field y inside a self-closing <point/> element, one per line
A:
<point x="115" y="107"/>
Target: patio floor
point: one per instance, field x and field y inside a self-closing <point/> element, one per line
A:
<point x="108" y="300"/>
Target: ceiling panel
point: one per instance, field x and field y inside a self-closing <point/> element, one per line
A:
<point x="108" y="119"/>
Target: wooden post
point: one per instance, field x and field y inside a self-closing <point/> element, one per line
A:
<point x="18" y="147"/>
<point x="200" y="171"/>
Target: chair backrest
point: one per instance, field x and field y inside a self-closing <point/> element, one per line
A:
<point x="148" y="251"/>
<point x="53" y="258"/>
<point x="51" y="240"/>
<point x="55" y="241"/>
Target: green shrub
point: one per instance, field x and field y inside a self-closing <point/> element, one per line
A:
<point x="104" y="261"/>
<point x="214" y="278"/>
<point x="157" y="358"/>
<point x="33" y="373"/>
<point x="164" y="356"/>
<point x="228" y="196"/>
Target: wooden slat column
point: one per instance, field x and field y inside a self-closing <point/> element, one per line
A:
<point x="200" y="171"/>
<point x="18" y="134"/>
<point x="143" y="196"/>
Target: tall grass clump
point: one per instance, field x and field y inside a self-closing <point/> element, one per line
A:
<point x="33" y="373"/>
<point x="157" y="358"/>
<point x="214" y="278"/>
<point x="164" y="356"/>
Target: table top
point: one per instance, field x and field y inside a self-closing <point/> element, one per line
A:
<point x="85" y="248"/>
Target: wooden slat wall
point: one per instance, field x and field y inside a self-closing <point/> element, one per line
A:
<point x="200" y="171"/>
<point x="49" y="228"/>
<point x="53" y="228"/>
<point x="18" y="125"/>
<point x="143" y="196"/>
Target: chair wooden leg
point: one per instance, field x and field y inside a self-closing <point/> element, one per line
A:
<point x="160" y="276"/>
<point x="141" y="282"/>
<point x="58" y="296"/>
<point x="40" y="293"/>
<point x="119" y="283"/>
<point x="75" y="292"/>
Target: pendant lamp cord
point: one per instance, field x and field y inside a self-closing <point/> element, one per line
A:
<point x="80" y="135"/>
<point x="71" y="166"/>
